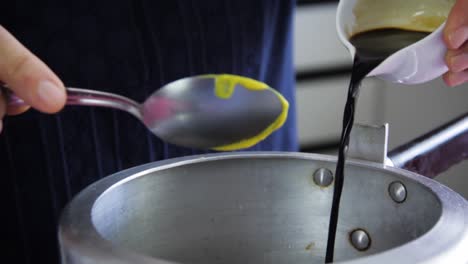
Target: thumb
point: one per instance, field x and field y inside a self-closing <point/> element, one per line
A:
<point x="28" y="77"/>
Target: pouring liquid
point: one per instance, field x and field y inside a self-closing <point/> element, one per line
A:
<point x="372" y="48"/>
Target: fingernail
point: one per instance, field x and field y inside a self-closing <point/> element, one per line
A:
<point x="459" y="63"/>
<point x="458" y="37"/>
<point x="49" y="93"/>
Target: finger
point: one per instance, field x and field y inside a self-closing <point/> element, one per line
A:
<point x="456" y="78"/>
<point x="456" y="28"/>
<point x="457" y="60"/>
<point x="28" y="77"/>
<point x="16" y="110"/>
<point x="12" y="110"/>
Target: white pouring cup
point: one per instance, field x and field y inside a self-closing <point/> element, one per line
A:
<point x="420" y="62"/>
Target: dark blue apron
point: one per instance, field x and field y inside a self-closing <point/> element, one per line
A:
<point x="130" y="48"/>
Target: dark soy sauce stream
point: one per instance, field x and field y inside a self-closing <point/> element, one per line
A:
<point x="372" y="47"/>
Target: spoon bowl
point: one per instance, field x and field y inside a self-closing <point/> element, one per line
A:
<point x="418" y="63"/>
<point x="220" y="112"/>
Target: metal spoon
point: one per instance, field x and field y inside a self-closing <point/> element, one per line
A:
<point x="221" y="112"/>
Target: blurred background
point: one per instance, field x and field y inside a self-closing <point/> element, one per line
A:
<point x="323" y="70"/>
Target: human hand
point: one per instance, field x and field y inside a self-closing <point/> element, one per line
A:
<point x="28" y="77"/>
<point x="456" y="39"/>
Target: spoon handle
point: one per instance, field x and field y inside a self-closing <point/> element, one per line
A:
<point x="85" y="97"/>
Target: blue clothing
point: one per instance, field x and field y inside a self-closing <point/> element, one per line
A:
<point x="130" y="48"/>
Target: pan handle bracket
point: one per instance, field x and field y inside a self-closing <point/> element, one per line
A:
<point x="369" y="142"/>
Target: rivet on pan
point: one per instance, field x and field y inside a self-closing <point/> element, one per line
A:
<point x="360" y="239"/>
<point x="323" y="177"/>
<point x="397" y="191"/>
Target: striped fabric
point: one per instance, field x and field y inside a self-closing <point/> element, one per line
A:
<point x="130" y="48"/>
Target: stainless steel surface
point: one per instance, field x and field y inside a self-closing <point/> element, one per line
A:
<point x="85" y="97"/>
<point x="431" y="140"/>
<point x="397" y="191"/>
<point x="360" y="239"/>
<point x="260" y="208"/>
<point x="435" y="151"/>
<point x="323" y="177"/>
<point x="368" y="142"/>
<point x="196" y="117"/>
<point x="187" y="112"/>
